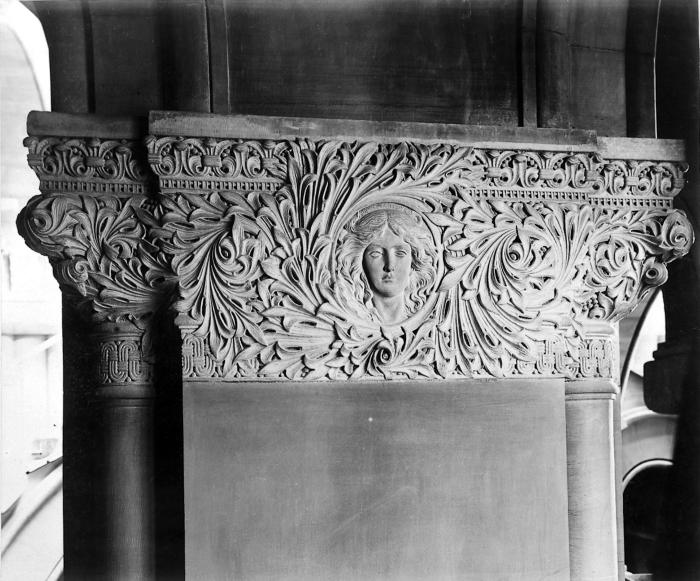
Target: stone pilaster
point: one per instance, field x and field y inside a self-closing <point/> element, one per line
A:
<point x="528" y="255"/>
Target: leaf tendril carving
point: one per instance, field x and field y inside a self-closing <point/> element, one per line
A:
<point x="327" y="259"/>
<point x="96" y="225"/>
<point x="527" y="250"/>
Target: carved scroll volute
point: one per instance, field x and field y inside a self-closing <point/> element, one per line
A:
<point x="323" y="259"/>
<point x="94" y="220"/>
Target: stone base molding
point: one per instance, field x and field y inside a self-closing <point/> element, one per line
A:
<point x="303" y="250"/>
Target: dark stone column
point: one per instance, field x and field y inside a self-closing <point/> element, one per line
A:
<point x="553" y="64"/>
<point x="671" y="381"/>
<point x="94" y="220"/>
<point x="126" y="399"/>
<point x="81" y="448"/>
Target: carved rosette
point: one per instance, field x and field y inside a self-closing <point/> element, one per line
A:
<point x="520" y="260"/>
<point x="95" y="222"/>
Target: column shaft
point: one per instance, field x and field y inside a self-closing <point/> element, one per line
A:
<point x="593" y="528"/>
<point x="127" y="398"/>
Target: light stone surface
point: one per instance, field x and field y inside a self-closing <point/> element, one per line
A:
<point x="376" y="481"/>
<point x="530" y="249"/>
<point x="317" y="250"/>
<point x="521" y="255"/>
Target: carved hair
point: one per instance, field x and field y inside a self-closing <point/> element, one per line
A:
<point x="404" y="223"/>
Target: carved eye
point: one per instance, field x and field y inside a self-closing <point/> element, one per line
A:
<point x="375" y="253"/>
<point x="401" y="253"/>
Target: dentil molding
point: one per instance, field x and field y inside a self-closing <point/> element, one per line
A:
<point x="316" y="257"/>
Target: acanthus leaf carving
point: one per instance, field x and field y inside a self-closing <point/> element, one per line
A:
<point x="95" y="224"/>
<point x="510" y="251"/>
<point x="280" y="247"/>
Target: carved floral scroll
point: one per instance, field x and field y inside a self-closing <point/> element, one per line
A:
<point x="94" y="221"/>
<point x="527" y="251"/>
<point x="334" y="259"/>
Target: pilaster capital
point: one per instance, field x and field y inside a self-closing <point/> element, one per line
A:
<point x="520" y="255"/>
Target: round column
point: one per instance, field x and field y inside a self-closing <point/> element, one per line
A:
<point x="590" y="444"/>
<point x="126" y="395"/>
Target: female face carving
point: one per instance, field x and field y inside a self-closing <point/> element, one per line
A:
<point x="388" y="257"/>
<point x="387" y="264"/>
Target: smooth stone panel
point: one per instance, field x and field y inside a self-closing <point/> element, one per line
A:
<point x="131" y="83"/>
<point x="601" y="110"/>
<point x="412" y="60"/>
<point x="363" y="481"/>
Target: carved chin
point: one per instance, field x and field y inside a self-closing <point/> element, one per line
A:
<point x="388" y="293"/>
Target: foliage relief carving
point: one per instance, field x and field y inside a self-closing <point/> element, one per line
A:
<point x="100" y="241"/>
<point x="509" y="254"/>
<point x="313" y="259"/>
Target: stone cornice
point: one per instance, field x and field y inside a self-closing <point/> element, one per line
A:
<point x="479" y="136"/>
<point x="521" y="255"/>
<point x="88" y="165"/>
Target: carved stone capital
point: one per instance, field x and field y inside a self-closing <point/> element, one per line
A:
<point x="95" y="222"/>
<point x="316" y="258"/>
<point x="513" y="261"/>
